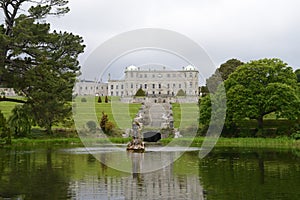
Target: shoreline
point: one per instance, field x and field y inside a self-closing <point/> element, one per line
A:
<point x="277" y="143"/>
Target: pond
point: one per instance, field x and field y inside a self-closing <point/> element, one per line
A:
<point x="73" y="173"/>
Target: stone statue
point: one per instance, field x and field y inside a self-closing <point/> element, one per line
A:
<point x="136" y="144"/>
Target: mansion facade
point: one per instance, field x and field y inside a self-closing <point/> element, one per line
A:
<point x="153" y="82"/>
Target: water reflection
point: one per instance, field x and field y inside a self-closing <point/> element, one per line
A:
<point x="160" y="184"/>
<point x="251" y="174"/>
<point x="32" y="175"/>
<point x="72" y="173"/>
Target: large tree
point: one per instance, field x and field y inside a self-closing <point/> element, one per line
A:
<point x="261" y="87"/>
<point x="39" y="63"/>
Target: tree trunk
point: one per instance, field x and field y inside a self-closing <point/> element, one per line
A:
<point x="260" y="121"/>
<point x="49" y="130"/>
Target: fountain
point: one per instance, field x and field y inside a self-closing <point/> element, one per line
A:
<point x="136" y="144"/>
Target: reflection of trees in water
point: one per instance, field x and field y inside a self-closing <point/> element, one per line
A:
<point x="29" y="175"/>
<point x="46" y="174"/>
<point x="250" y="174"/>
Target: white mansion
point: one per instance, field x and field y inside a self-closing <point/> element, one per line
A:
<point x="165" y="83"/>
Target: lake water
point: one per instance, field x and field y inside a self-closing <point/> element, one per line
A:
<point x="73" y="173"/>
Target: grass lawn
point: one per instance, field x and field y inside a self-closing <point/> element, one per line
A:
<point x="121" y="114"/>
<point x="6" y="107"/>
<point x="185" y="114"/>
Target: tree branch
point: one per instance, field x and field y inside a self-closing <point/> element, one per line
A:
<point x="12" y="100"/>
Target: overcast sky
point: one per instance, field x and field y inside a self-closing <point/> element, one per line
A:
<point x="242" y="29"/>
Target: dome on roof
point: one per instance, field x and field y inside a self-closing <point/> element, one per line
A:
<point x="131" y="68"/>
<point x="190" y="67"/>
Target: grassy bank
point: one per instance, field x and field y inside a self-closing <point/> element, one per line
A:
<point x="283" y="142"/>
<point x="277" y="143"/>
<point x="66" y="141"/>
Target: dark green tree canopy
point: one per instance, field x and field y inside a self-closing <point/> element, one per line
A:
<point x="140" y="93"/>
<point x="221" y="74"/>
<point x="180" y="93"/>
<point x="297" y="72"/>
<point x="261" y="87"/>
<point x="39" y="63"/>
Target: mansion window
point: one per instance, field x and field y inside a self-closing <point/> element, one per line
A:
<point x="179" y="85"/>
<point x="159" y="86"/>
<point x="153" y="86"/>
<point x="145" y="86"/>
<point x="112" y="87"/>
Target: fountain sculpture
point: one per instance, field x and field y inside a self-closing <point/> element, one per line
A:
<point x="136" y="144"/>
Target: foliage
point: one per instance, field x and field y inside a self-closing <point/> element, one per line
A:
<point x="39" y="63"/>
<point x="205" y="110"/>
<point x="296" y="135"/>
<point x="99" y="99"/>
<point x="103" y="121"/>
<point x="261" y="87"/>
<point x="4" y="130"/>
<point x="106" y="99"/>
<point x="140" y="93"/>
<point x="20" y="121"/>
<point x="180" y="93"/>
<point x="297" y="72"/>
<point x="109" y="126"/>
<point x="106" y="125"/>
<point x="204" y="91"/>
<point x="213" y="114"/>
<point x="92" y="126"/>
<point x="221" y="74"/>
<point x="83" y="99"/>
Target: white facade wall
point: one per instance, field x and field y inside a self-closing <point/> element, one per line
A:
<point x="153" y="82"/>
<point x="7" y="92"/>
<point x="90" y="88"/>
<point x="156" y="82"/>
